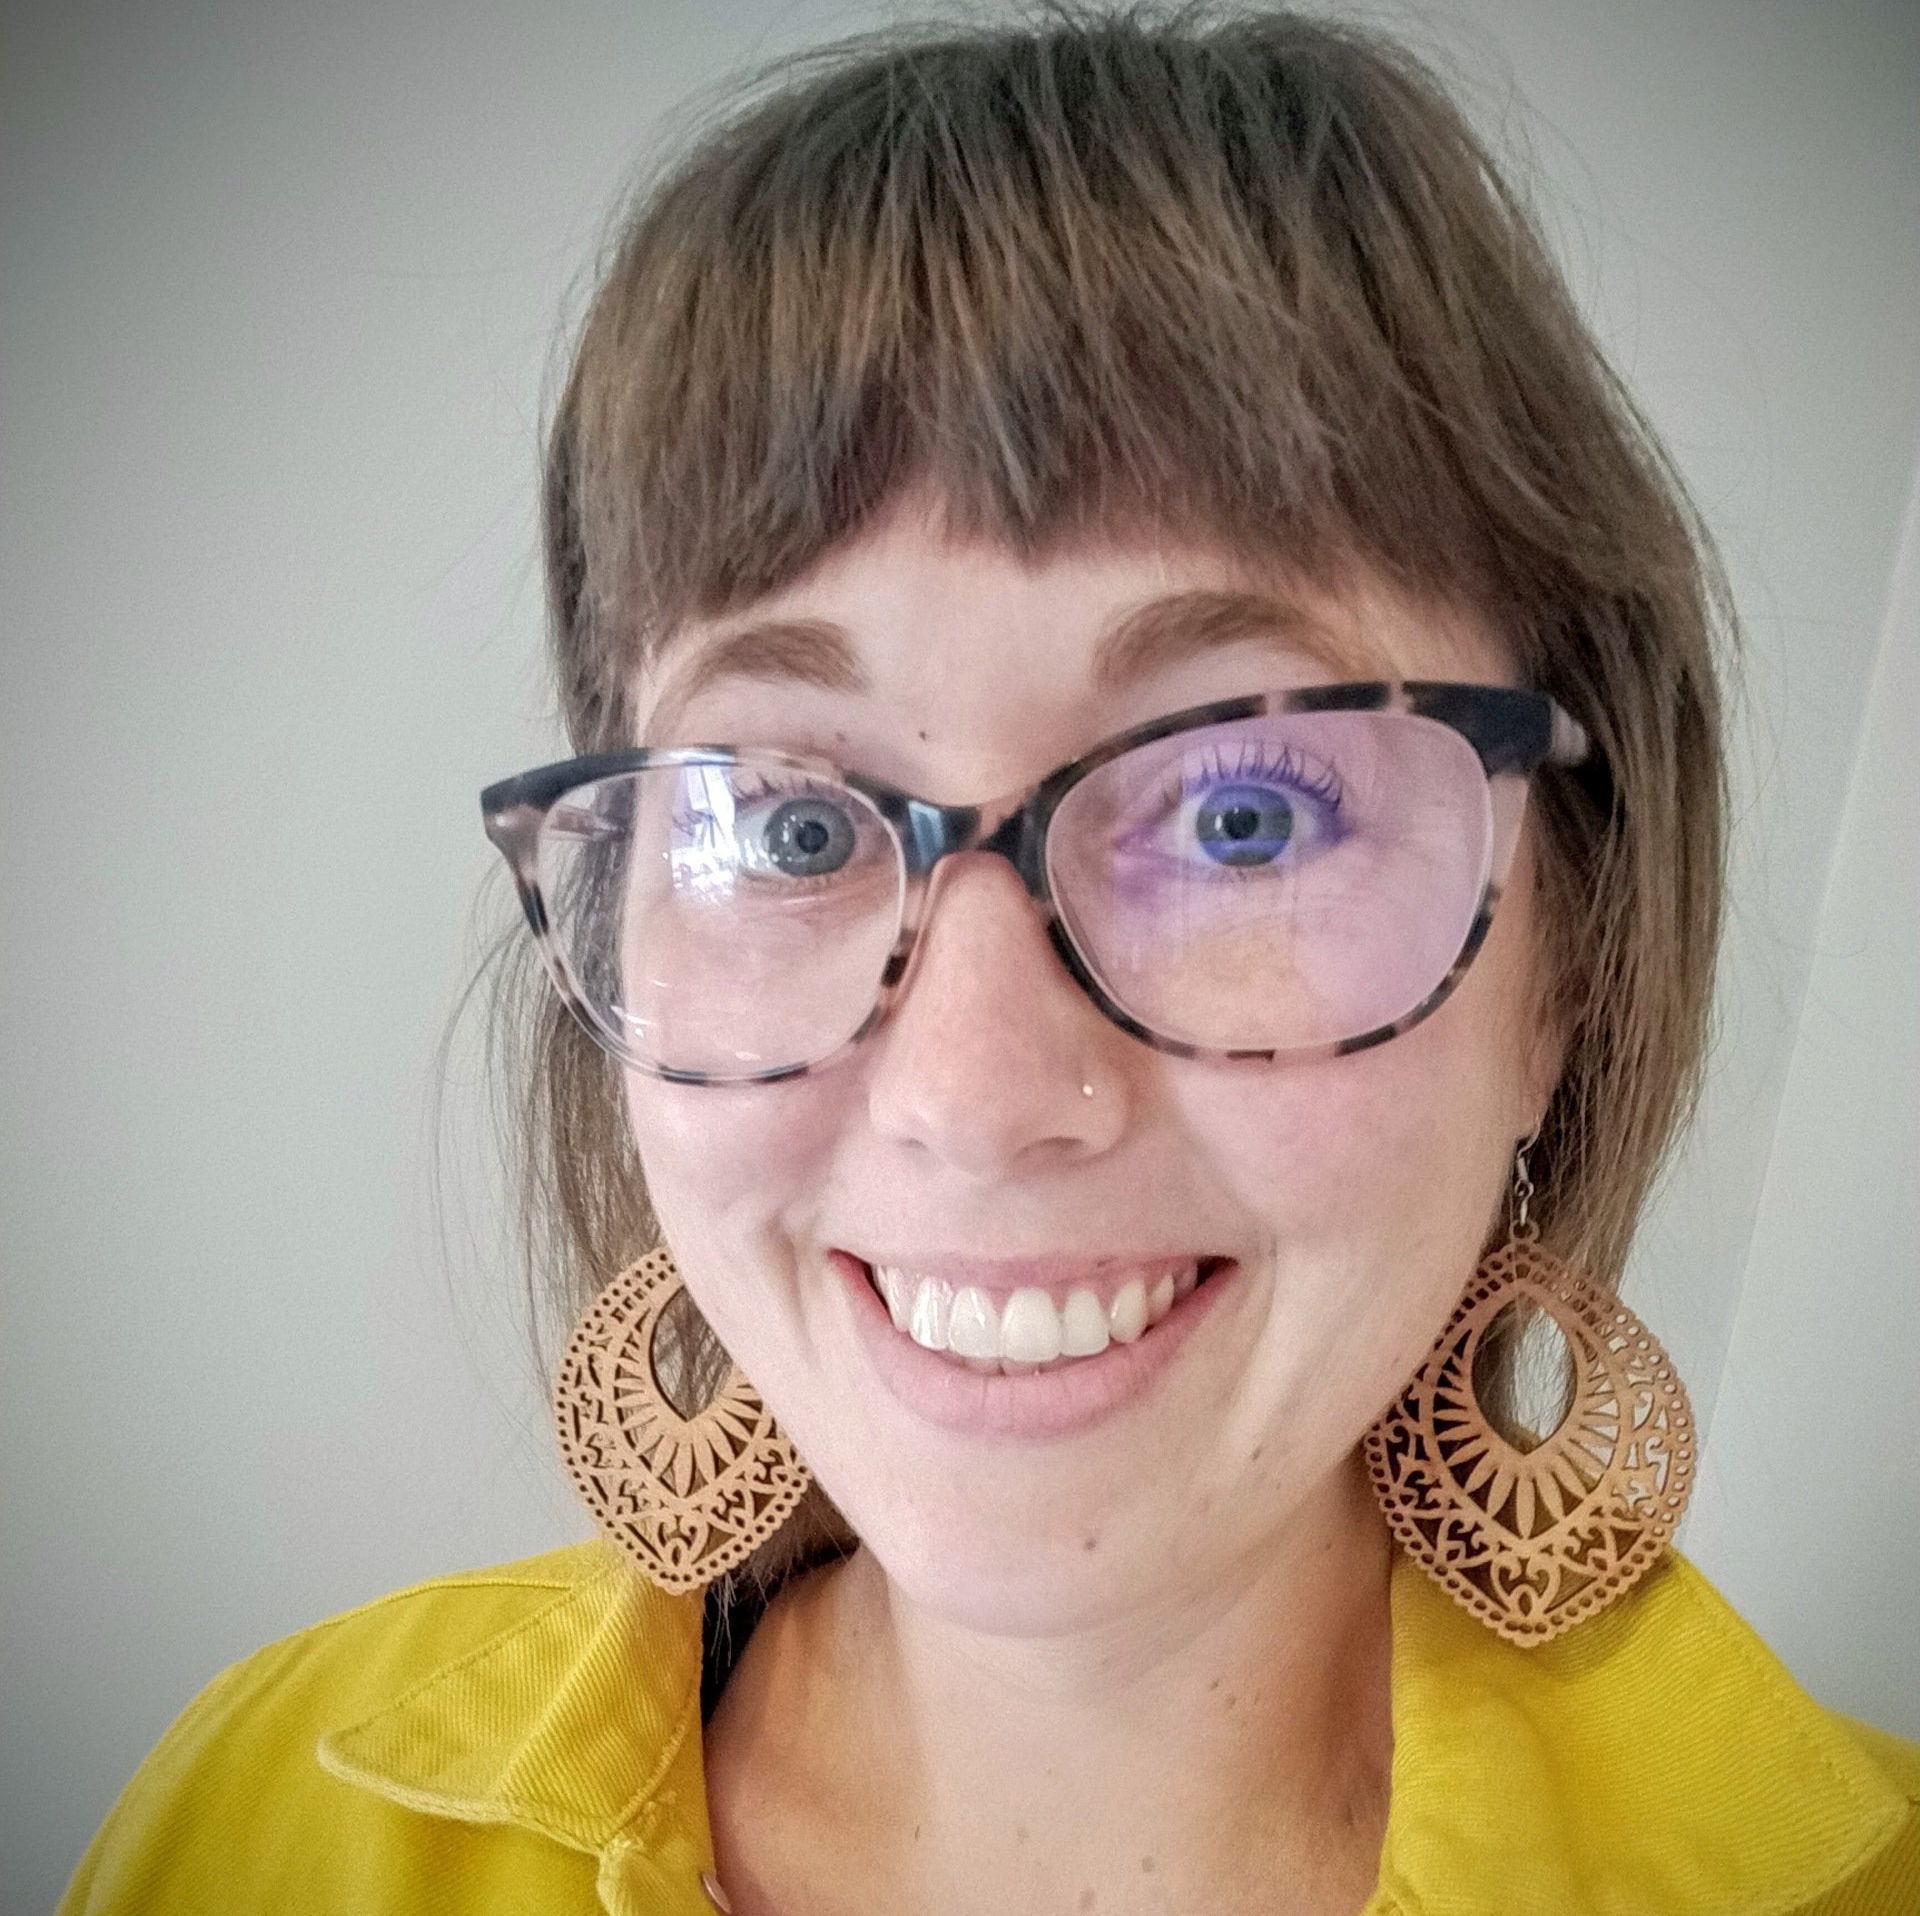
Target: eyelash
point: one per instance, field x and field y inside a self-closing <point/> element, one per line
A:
<point x="1256" y="762"/>
<point x="1287" y="768"/>
<point x="696" y="823"/>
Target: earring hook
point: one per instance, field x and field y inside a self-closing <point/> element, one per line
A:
<point x="1525" y="1231"/>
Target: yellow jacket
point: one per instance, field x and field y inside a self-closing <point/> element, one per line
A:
<point x="526" y="1738"/>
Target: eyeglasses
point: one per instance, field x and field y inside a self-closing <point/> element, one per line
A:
<point x="1285" y="874"/>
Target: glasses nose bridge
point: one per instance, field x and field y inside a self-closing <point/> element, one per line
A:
<point x="1010" y="826"/>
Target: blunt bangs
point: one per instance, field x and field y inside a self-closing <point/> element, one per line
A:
<point x="1251" y="285"/>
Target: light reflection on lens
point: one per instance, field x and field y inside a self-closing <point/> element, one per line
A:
<point x="740" y="918"/>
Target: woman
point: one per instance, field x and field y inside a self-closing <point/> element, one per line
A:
<point x="1135" y="901"/>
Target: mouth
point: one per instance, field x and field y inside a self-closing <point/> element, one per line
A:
<point x="1037" y="1327"/>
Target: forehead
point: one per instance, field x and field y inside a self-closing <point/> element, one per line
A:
<point x="907" y="620"/>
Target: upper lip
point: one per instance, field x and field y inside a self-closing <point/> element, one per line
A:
<point x="1039" y="1271"/>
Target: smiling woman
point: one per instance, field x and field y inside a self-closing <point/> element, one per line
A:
<point x="1132" y="913"/>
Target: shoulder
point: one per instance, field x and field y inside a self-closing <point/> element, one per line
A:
<point x="1847" y="1783"/>
<point x="1889" y="1883"/>
<point x="1817" y="1776"/>
<point x="1659" y="1756"/>
<point x="231" y="1808"/>
<point x="1897" y="1755"/>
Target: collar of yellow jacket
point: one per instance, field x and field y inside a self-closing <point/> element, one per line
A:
<point x="1655" y="1757"/>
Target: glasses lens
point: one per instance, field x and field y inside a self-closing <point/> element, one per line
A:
<point x="722" y="918"/>
<point x="1282" y="882"/>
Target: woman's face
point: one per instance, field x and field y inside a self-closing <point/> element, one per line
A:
<point x="1351" y="1194"/>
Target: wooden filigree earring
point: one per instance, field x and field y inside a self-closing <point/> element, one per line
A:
<point x="1533" y="1540"/>
<point x="687" y="1497"/>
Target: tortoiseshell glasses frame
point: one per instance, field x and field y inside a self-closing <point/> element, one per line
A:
<point x="1512" y="731"/>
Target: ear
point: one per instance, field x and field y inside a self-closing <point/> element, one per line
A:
<point x="1543" y="1059"/>
<point x="1551" y="1000"/>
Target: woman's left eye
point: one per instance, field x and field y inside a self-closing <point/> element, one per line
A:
<point x="1248" y="819"/>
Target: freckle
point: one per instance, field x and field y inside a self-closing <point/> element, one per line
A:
<point x="923" y="733"/>
<point x="916" y="1832"/>
<point x="1215" y="1684"/>
<point x="1258" y="1449"/>
<point x="1231" y="1701"/>
<point x="1020" y="1832"/>
<point x="1088" y="1899"/>
<point x="1146" y="1866"/>
<point x="1092" y="1542"/>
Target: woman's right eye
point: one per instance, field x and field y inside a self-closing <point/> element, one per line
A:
<point x="808" y="837"/>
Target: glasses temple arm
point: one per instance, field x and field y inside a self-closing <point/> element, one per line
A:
<point x="1569" y="743"/>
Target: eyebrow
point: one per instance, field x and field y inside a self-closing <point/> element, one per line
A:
<point x="1147" y="639"/>
<point x="775" y="651"/>
<point x="1184" y="625"/>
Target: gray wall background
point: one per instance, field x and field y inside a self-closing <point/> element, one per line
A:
<point x="279" y="294"/>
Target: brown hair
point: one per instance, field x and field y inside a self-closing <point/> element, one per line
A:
<point x="1246" y="278"/>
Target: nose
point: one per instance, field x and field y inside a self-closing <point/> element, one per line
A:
<point x="988" y="1051"/>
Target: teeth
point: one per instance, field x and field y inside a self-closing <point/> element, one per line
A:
<point x="974" y="1329"/>
<point x="893" y="1287"/>
<point x="1083" y="1326"/>
<point x="1127" y="1314"/>
<point x="1031" y="1329"/>
<point x="930" y="1312"/>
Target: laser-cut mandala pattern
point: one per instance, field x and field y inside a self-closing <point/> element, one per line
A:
<point x="687" y="1498"/>
<point x="1533" y="1541"/>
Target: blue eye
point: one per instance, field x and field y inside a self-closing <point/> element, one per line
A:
<point x="786" y="834"/>
<point x="1244" y="824"/>
<point x="807" y="837"/>
<point x="1251" y="806"/>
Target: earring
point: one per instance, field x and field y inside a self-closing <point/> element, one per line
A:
<point x="687" y="1498"/>
<point x="1534" y="1540"/>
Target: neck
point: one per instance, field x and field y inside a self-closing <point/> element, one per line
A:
<point x="1229" y="1749"/>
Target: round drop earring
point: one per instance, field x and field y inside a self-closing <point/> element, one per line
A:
<point x="1533" y="1540"/>
<point x="687" y="1498"/>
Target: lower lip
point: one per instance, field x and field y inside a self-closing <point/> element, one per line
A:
<point x="1054" y="1403"/>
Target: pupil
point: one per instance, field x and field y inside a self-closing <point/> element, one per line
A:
<point x="811" y="836"/>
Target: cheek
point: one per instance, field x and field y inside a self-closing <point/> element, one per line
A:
<point x="732" y="1150"/>
<point x="733" y="1172"/>
<point x="1382" y="1169"/>
<point x="1350" y="1143"/>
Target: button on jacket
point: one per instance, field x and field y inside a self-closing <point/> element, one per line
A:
<point x="526" y="1738"/>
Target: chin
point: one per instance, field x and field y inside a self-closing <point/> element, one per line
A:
<point x="985" y="1570"/>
